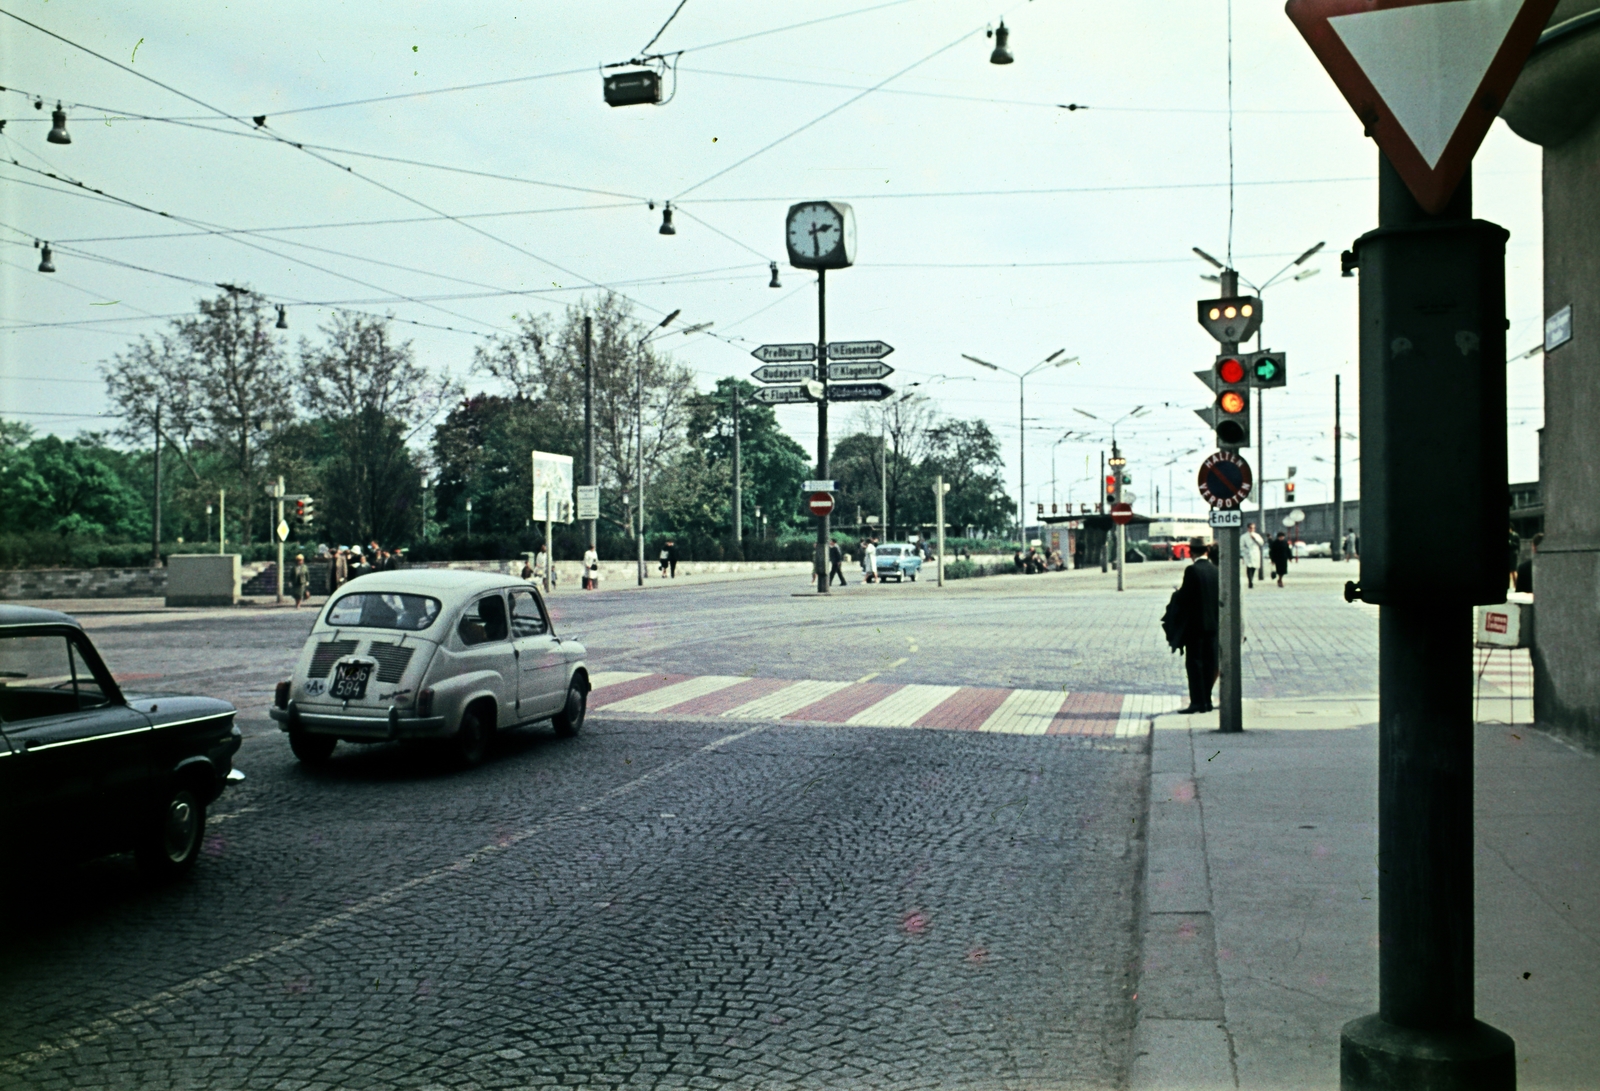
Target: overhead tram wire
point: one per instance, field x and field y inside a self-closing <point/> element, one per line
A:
<point x="320" y="158"/>
<point x="247" y="243"/>
<point x="823" y="116"/>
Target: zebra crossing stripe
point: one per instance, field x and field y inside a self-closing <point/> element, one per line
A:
<point x="1025" y="712"/>
<point x="791" y="698"/>
<point x="903" y="707"/>
<point x="659" y="700"/>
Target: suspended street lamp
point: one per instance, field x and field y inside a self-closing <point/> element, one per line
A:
<point x="666" y="220"/>
<point x="283" y="318"/>
<point x="774" y="282"/>
<point x="58" y="126"/>
<point x="1001" y="54"/>
<point x="45" y="264"/>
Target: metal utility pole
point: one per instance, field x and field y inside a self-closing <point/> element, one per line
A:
<point x="1230" y="622"/>
<point x="824" y="524"/>
<point x="1105" y="548"/>
<point x="738" y="480"/>
<point x="222" y="520"/>
<point x="155" y="528"/>
<point x="589" y="476"/>
<point x="1022" y="428"/>
<point x="883" y="474"/>
<point x="277" y="507"/>
<point x="939" y="489"/>
<point x="638" y="452"/>
<point x="1117" y="464"/>
<point x="1337" y="552"/>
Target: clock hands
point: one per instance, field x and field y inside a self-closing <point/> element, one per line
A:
<point x="817" y="229"/>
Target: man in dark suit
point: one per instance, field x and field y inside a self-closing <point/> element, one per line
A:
<point x="1199" y="592"/>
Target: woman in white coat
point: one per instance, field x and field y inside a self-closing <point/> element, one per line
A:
<point x="1254" y="545"/>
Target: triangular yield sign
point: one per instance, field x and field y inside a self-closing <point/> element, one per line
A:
<point x="1426" y="77"/>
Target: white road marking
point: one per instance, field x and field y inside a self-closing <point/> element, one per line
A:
<point x="789" y="699"/>
<point x="904" y="707"/>
<point x="1025" y="712"/>
<point x="1138" y="709"/>
<point x="658" y="699"/>
<point x="601" y="679"/>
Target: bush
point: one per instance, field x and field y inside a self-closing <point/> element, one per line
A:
<point x="968" y="570"/>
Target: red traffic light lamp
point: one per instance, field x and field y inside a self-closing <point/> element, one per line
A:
<point x="1288" y="492"/>
<point x="1229" y="415"/>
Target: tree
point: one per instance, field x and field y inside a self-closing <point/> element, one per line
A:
<point x="70" y="487"/>
<point x="483" y="452"/>
<point x="900" y="426"/>
<point x="371" y="397"/>
<point x="772" y="465"/>
<point x="542" y="362"/>
<point x="967" y="454"/>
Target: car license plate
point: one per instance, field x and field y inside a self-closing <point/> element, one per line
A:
<point x="350" y="681"/>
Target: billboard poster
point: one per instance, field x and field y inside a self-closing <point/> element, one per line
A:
<point x="552" y="487"/>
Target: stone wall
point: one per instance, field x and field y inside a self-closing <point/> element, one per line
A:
<point x="82" y="583"/>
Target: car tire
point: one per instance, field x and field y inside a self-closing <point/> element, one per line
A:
<point x="312" y="749"/>
<point x="569" y="721"/>
<point x="472" y="739"/>
<point x="171" y="841"/>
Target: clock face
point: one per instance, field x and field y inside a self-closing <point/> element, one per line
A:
<point x="821" y="235"/>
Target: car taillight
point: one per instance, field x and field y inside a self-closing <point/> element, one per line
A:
<point x="425" y="702"/>
<point x="281" y="696"/>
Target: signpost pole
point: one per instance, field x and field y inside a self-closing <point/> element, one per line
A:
<point x="738" y="484"/>
<point x="549" y="541"/>
<point x="1230" y="705"/>
<point x="1336" y="551"/>
<point x="823" y="524"/>
<point x="589" y="476"/>
<point x="938" y="518"/>
<point x="277" y="496"/>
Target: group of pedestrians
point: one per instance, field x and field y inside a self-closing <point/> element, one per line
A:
<point x="1257" y="550"/>
<point x="1035" y="561"/>
<point x="344" y="563"/>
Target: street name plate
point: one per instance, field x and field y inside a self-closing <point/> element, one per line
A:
<point x="588" y="501"/>
<point x="779" y="395"/>
<point x="871" y="369"/>
<point x="858" y="392"/>
<point x="1227" y="517"/>
<point x="858" y="350"/>
<point x="828" y="485"/>
<point x="785" y="354"/>
<point x="784" y="373"/>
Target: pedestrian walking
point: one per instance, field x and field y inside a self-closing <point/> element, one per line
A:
<point x="671" y="557"/>
<point x="334" y="568"/>
<point x="542" y="566"/>
<point x="591" y="569"/>
<point x="1197" y="610"/>
<point x="1349" y="545"/>
<point x="1254" y="544"/>
<point x="663" y="560"/>
<point x="869" y="560"/>
<point x="1279" y="553"/>
<point x="836" y="564"/>
<point x="527" y="569"/>
<point x="302" y="580"/>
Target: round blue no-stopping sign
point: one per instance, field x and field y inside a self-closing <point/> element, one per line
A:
<point x="1225" y="480"/>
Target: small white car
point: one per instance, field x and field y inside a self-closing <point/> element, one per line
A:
<point x="431" y="654"/>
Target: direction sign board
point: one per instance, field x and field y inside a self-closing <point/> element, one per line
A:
<point x="868" y="369"/>
<point x="1426" y="79"/>
<point x="858" y="392"/>
<point x="779" y="395"/>
<point x="858" y="350"/>
<point x="820" y="504"/>
<point x="588" y="501"/>
<point x="1122" y="514"/>
<point x="785" y="354"/>
<point x="1225" y="479"/>
<point x="828" y="485"/>
<point x="784" y="373"/>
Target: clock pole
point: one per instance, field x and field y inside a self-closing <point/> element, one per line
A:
<point x="824" y="524"/>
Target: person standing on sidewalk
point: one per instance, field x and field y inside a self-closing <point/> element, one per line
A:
<point x="869" y="560"/>
<point x="1200" y="622"/>
<point x="1254" y="549"/>
<point x="669" y="558"/>
<point x="302" y="580"/>
<point x="1279" y="552"/>
<point x="591" y="569"/>
<point x="836" y="564"/>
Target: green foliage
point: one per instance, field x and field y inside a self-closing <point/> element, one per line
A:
<point x="484" y="451"/>
<point x="772" y="465"/>
<point x="70" y="488"/>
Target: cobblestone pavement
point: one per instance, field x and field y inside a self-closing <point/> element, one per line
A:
<point x="667" y="900"/>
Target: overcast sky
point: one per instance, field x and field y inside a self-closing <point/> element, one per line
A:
<point x="1093" y="256"/>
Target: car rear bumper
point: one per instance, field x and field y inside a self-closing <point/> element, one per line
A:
<point x="367" y="728"/>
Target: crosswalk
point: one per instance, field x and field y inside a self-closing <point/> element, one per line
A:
<point x="880" y="704"/>
<point x="1500" y="672"/>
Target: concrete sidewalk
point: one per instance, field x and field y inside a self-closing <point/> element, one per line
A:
<point x="1260" y="922"/>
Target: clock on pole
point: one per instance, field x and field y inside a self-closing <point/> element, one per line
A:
<point x="821" y="235"/>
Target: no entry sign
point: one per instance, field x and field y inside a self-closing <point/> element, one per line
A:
<point x="1122" y="514"/>
<point x="820" y="504"/>
<point x="1225" y="480"/>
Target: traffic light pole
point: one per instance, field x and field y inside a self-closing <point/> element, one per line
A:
<point x="277" y="498"/>
<point x="1336" y="551"/>
<point x="824" y="523"/>
<point x="1432" y="334"/>
<point x="1230" y="622"/>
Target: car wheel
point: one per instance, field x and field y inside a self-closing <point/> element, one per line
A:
<point x="171" y="842"/>
<point x="472" y="739"/>
<point x="569" y="721"/>
<point x="311" y="749"/>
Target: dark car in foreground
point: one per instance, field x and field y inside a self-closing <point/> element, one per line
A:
<point x="87" y="770"/>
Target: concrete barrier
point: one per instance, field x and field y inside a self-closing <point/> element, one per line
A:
<point x="203" y="579"/>
<point x="82" y="583"/>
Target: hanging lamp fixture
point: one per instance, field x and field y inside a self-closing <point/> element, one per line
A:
<point x="58" y="126"/>
<point x="1002" y="53"/>
<point x="666" y="220"/>
<point x="283" y="318"/>
<point x="45" y="264"/>
<point x="774" y="267"/>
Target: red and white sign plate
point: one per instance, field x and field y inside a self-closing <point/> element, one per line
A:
<point x="1122" y="514"/>
<point x="1426" y="77"/>
<point x="820" y="504"/>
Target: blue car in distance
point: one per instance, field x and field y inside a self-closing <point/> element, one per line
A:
<point x="899" y="561"/>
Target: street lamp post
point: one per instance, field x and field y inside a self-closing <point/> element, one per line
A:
<point x="1022" y="423"/>
<point x="469" y="518"/>
<point x="638" y="450"/>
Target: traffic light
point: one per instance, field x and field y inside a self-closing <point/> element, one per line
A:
<point x="1268" y="369"/>
<point x="304" y="510"/>
<point x="1231" y="319"/>
<point x="1111" y="488"/>
<point x="1229" y="379"/>
<point x="1041" y="510"/>
<point x="1288" y="492"/>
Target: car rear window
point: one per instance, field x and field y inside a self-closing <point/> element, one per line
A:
<point x="376" y="610"/>
<point x="888" y="551"/>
